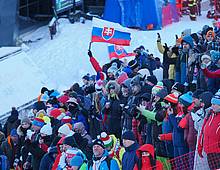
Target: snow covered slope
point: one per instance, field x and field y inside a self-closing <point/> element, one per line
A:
<point x="60" y="62"/>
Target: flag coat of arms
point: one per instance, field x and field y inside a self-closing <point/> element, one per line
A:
<point x="117" y="51"/>
<point x="106" y="31"/>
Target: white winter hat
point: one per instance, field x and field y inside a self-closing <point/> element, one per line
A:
<point x="65" y="129"/>
<point x="46" y="129"/>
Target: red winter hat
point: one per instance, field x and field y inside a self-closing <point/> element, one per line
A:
<point x="57" y="114"/>
<point x="172" y="98"/>
<point x="106" y="139"/>
<point x="122" y="78"/>
<point x="63" y="99"/>
<point x="66" y="119"/>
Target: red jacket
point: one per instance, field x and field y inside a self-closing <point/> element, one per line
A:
<point x="57" y="160"/>
<point x="209" y="138"/>
<point x="209" y="74"/>
<point x="146" y="165"/>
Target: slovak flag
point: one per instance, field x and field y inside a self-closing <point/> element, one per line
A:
<point x="117" y="51"/>
<point x="104" y="31"/>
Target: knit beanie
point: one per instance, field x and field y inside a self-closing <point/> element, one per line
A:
<point x="46" y="129"/>
<point x="197" y="93"/>
<point x="152" y="79"/>
<point x="66" y="119"/>
<point x="26" y="120"/>
<point x="65" y="129"/>
<point x="178" y="87"/>
<point x="157" y="88"/>
<point x="63" y="99"/>
<point x="186" y="99"/>
<point x="98" y="142"/>
<point x="76" y="161"/>
<point x="107" y="140"/>
<point x="71" y="152"/>
<point x="206" y="98"/>
<point x="70" y="141"/>
<point x="98" y="85"/>
<point x="128" y="135"/>
<point x="46" y="119"/>
<point x="216" y="98"/>
<point x="172" y="98"/>
<point x="57" y="114"/>
<point x="162" y="93"/>
<point x="38" y="122"/>
<point x="189" y="40"/>
<point x="13" y="133"/>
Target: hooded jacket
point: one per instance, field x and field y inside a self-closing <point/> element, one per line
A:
<point x="146" y="163"/>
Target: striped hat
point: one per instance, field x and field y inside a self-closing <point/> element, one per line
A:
<point x="66" y="119"/>
<point x="157" y="88"/>
<point x="107" y="140"/>
<point x="38" y="122"/>
<point x="172" y="98"/>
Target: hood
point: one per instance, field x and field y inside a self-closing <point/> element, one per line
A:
<point x="146" y="148"/>
<point x="60" y="143"/>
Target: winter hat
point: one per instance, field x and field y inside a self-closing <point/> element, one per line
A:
<point x="197" y="93"/>
<point x="136" y="80"/>
<point x="206" y="98"/>
<point x="44" y="97"/>
<point x="152" y="79"/>
<point x="98" y="85"/>
<point x="44" y="89"/>
<point x="71" y="152"/>
<point x="13" y="133"/>
<point x="195" y="37"/>
<point x="39" y="122"/>
<point x="113" y="69"/>
<point x="66" y="119"/>
<point x="69" y="140"/>
<point x="216" y="98"/>
<point x="107" y="140"/>
<point x="162" y="93"/>
<point x="98" y="142"/>
<point x="146" y="97"/>
<point x="73" y="100"/>
<point x="128" y="135"/>
<point x="215" y="55"/>
<point x="41" y="113"/>
<point x="122" y="77"/>
<point x="57" y="114"/>
<point x="46" y="129"/>
<point x="26" y="120"/>
<point x="65" y="129"/>
<point x="14" y="112"/>
<point x="172" y="98"/>
<point x="188" y="39"/>
<point x="79" y="126"/>
<point x="178" y="87"/>
<point x="76" y="161"/>
<point x="210" y="32"/>
<point x="86" y="77"/>
<point x="186" y="32"/>
<point x="186" y="99"/>
<point x="157" y="88"/>
<point x="46" y="119"/>
<point x="133" y="64"/>
<point x="63" y="99"/>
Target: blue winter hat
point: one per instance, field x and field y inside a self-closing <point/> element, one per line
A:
<point x="128" y="135"/>
<point x="186" y="99"/>
<point x="215" y="55"/>
<point x="189" y="40"/>
<point x="216" y="98"/>
<point x="13" y="133"/>
<point x="76" y="161"/>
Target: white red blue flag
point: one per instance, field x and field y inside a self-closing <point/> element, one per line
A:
<point x="106" y="31"/>
<point x="117" y="51"/>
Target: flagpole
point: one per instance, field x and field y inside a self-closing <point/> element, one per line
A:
<point x="90" y="44"/>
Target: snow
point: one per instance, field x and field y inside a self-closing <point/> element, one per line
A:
<point x="60" y="62"/>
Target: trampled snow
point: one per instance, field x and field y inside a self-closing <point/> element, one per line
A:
<point x="60" y="62"/>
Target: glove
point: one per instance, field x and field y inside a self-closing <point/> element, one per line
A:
<point x="89" y="53"/>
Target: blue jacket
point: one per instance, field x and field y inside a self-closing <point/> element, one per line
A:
<point x="178" y="132"/>
<point x="130" y="158"/>
<point x="104" y="165"/>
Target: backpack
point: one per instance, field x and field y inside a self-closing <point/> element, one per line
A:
<point x="108" y="161"/>
<point x="3" y="162"/>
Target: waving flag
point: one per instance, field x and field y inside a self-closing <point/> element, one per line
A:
<point x="104" y="31"/>
<point x="116" y="51"/>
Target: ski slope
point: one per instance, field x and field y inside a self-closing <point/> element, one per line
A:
<point x="60" y="62"/>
